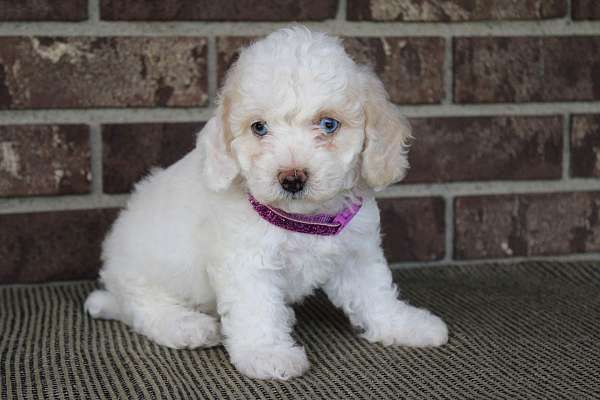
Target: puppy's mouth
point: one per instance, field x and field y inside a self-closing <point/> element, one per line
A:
<point x="301" y="195"/>
<point x="293" y="191"/>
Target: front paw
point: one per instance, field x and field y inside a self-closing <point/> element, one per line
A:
<point x="271" y="362"/>
<point x="412" y="327"/>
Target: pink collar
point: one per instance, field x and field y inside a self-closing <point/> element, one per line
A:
<point x="318" y="224"/>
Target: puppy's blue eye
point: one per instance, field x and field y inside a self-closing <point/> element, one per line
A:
<point x="259" y="128"/>
<point x="329" y="125"/>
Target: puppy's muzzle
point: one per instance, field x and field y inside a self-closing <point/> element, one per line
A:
<point x="292" y="180"/>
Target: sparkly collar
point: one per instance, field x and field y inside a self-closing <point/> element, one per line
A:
<point x="317" y="224"/>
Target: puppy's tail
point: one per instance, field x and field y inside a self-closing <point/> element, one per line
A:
<point x="102" y="304"/>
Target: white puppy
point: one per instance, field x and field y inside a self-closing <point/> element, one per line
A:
<point x="216" y="247"/>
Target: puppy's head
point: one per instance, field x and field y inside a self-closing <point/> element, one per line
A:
<point x="300" y="123"/>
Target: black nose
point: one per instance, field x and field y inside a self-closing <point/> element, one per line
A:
<point x="292" y="180"/>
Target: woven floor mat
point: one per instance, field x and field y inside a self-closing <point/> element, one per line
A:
<point x="520" y="331"/>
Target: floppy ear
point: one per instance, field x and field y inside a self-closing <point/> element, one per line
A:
<point x="220" y="167"/>
<point x="387" y="133"/>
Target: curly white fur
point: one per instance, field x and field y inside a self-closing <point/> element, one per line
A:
<point x="189" y="263"/>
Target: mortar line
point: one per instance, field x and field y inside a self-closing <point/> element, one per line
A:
<point x="558" y="27"/>
<point x="591" y="256"/>
<point x="188" y="114"/>
<point x="96" y="159"/>
<point x="495" y="187"/>
<point x="569" y="16"/>
<point x="105" y="115"/>
<point x="341" y="14"/>
<point x="566" y="148"/>
<point x="61" y="203"/>
<point x="449" y="227"/>
<point x="93" y="11"/>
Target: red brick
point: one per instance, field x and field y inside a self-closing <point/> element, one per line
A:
<point x="223" y="10"/>
<point x="43" y="10"/>
<point x="411" y="68"/>
<point x="485" y="148"/>
<point x="78" y="72"/>
<point x="585" y="145"/>
<point x="44" y="160"/>
<point x="585" y="9"/>
<point x="51" y="246"/>
<point x="413" y="228"/>
<point x="131" y="150"/>
<point x="524" y="69"/>
<point x="454" y="10"/>
<point x="527" y="225"/>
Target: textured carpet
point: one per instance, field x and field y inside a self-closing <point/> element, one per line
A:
<point x="520" y="331"/>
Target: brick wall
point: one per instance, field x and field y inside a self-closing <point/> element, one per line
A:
<point x="504" y="97"/>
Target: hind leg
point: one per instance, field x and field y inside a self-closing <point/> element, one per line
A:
<point x="175" y="326"/>
<point x="166" y="323"/>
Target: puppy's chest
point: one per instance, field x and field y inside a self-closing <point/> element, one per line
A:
<point x="308" y="261"/>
